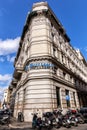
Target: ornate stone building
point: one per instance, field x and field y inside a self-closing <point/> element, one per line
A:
<point x="49" y="73"/>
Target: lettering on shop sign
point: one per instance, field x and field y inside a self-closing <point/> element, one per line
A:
<point x="39" y="65"/>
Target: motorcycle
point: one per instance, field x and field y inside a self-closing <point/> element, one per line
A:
<point x="4" y="117"/>
<point x="73" y="119"/>
<point x="36" y="121"/>
<point x="62" y="120"/>
<point x="46" y="122"/>
<point x="79" y="116"/>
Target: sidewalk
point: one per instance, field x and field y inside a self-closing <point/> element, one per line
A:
<point x="20" y="125"/>
<point x="15" y="124"/>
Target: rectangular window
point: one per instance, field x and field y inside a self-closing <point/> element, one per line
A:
<point x="52" y="37"/>
<point x="64" y="75"/>
<point x="67" y="98"/>
<point x="54" y="52"/>
<point x="74" y="98"/>
<point x="58" y="96"/>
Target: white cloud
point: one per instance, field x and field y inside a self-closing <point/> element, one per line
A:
<point x="4" y="83"/>
<point x="10" y="59"/>
<point x="2" y="89"/>
<point x="6" y="77"/>
<point x="76" y="48"/>
<point x="9" y="46"/>
<point x="2" y="59"/>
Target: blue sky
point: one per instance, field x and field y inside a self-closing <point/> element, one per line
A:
<point x="71" y="13"/>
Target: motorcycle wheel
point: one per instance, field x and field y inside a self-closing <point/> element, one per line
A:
<point x="81" y="121"/>
<point x="57" y="126"/>
<point x="33" y="125"/>
<point x="68" y="126"/>
<point x="39" y="128"/>
<point x="76" y="124"/>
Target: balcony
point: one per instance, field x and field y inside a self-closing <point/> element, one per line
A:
<point x="14" y="82"/>
<point x="17" y="74"/>
<point x="10" y="87"/>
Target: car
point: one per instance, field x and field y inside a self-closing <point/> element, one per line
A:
<point x="83" y="111"/>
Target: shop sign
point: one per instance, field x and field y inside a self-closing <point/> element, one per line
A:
<point x="33" y="65"/>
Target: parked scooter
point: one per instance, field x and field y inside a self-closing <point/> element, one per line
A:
<point x="79" y="116"/>
<point x="61" y="120"/>
<point x="4" y="120"/>
<point x="73" y="119"/>
<point x="36" y="121"/>
<point x="55" y="119"/>
<point x="4" y="117"/>
<point x="46" y="122"/>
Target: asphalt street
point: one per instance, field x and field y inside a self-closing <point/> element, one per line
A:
<point x="80" y="127"/>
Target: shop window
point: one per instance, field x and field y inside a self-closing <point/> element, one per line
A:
<point x="67" y="98"/>
<point x="74" y="98"/>
<point x="58" y="96"/>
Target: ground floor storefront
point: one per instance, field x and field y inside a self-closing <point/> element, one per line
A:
<point x="42" y="95"/>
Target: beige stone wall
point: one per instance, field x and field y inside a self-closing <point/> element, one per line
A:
<point x="41" y="96"/>
<point x="38" y="96"/>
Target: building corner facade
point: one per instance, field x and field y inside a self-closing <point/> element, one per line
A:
<point x="49" y="74"/>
